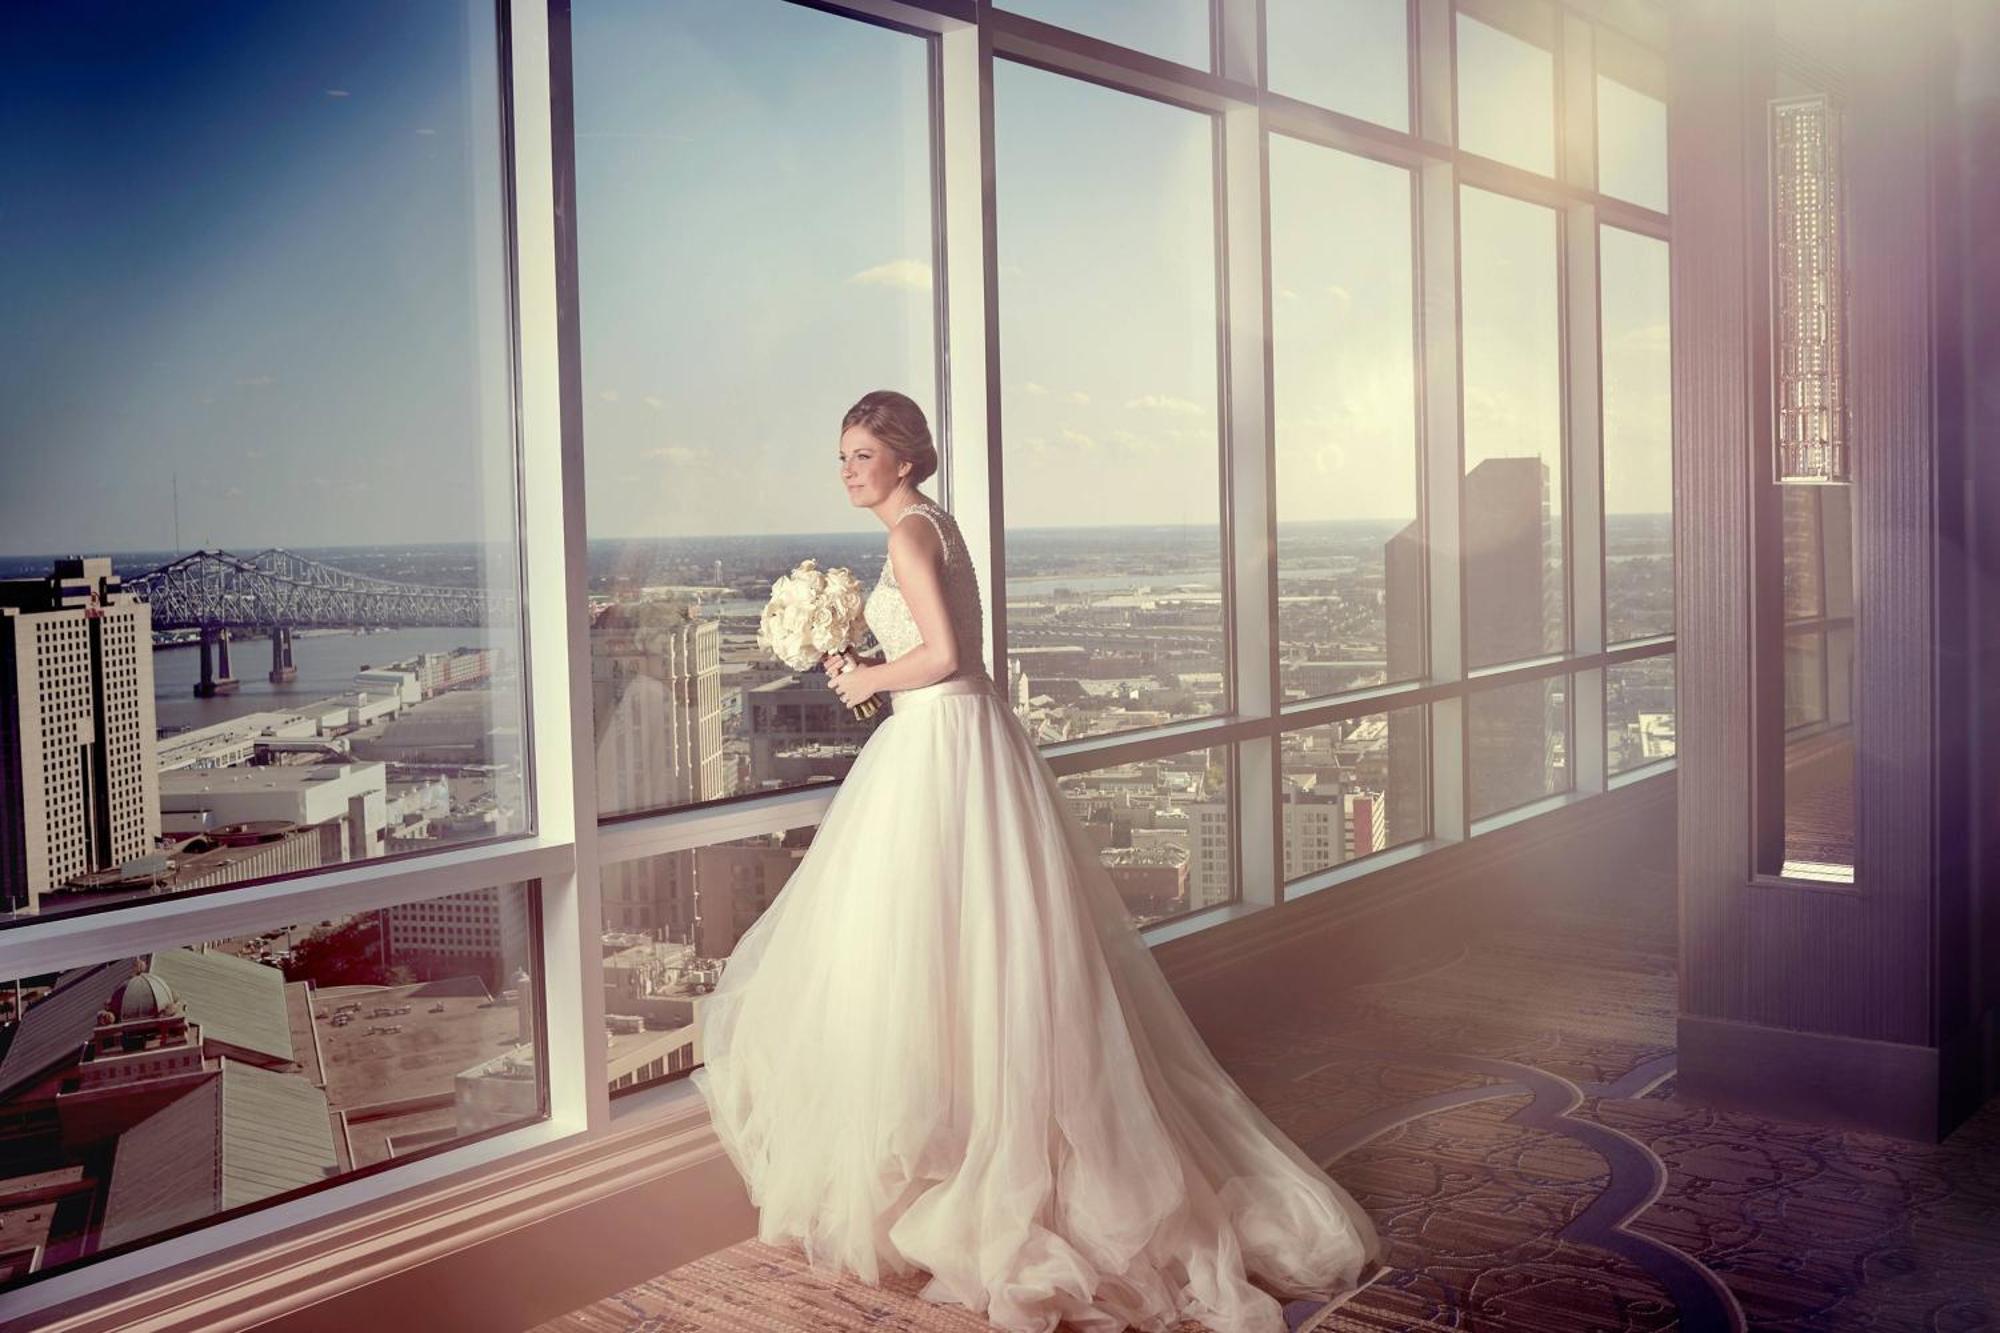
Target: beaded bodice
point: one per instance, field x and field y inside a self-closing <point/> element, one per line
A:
<point x="888" y="615"/>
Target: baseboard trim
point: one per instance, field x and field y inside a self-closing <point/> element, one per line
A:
<point x="1884" y="1087"/>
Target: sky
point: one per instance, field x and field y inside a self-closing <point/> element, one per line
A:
<point x="257" y="252"/>
<point x="254" y="246"/>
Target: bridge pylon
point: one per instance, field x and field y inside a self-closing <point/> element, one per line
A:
<point x="214" y="653"/>
<point x="282" y="667"/>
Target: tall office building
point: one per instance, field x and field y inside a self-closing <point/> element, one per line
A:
<point x="656" y="685"/>
<point x="78" y="785"/>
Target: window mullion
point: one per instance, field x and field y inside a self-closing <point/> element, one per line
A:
<point x="556" y="555"/>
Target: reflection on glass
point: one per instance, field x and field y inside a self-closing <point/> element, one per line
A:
<point x="1805" y="679"/>
<point x="1515" y="588"/>
<point x="1819" y="683"/>
<point x="1638" y="436"/>
<point x="1175" y="30"/>
<point x="670" y="923"/>
<point x="287" y="460"/>
<point x="1506" y="95"/>
<point x="145" y="1095"/>
<point x="1165" y="828"/>
<point x="1631" y="144"/>
<point x="1519" y="744"/>
<point x="1353" y="788"/>
<point x="1109" y="346"/>
<point x="1639" y="712"/>
<point x="1803" y="599"/>
<point x="1350" y="56"/>
<point x="1350" y="553"/>
<point x="733" y="307"/>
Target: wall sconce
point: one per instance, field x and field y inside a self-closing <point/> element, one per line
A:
<point x="1808" y="293"/>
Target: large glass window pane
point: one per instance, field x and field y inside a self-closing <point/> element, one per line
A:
<point x="1819" y="683"/>
<point x="1515" y="585"/>
<point x="1519" y="744"/>
<point x="1638" y="436"/>
<point x="1354" y="788"/>
<point x="1350" y="549"/>
<point x="1177" y="30"/>
<point x="1507" y="86"/>
<point x="754" y="251"/>
<point x="1631" y="122"/>
<point x="256" y="371"/>
<point x="1351" y="56"/>
<point x="146" y="1095"/>
<point x="1165" y="828"/>
<point x="670" y="923"/>
<point x="1109" y="355"/>
<point x="1639" y="712"/>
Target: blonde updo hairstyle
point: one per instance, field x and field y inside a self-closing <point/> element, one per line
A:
<point x="896" y="420"/>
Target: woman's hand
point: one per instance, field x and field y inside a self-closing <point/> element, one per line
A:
<point x="852" y="685"/>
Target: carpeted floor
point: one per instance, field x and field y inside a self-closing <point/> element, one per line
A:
<point x="1506" y="1112"/>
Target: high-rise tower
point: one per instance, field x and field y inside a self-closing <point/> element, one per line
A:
<point x="78" y="772"/>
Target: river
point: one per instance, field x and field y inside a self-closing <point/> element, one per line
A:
<point x="326" y="665"/>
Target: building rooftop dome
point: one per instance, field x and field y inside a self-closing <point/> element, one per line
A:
<point x="143" y="996"/>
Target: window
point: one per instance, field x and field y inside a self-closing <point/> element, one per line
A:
<point x="670" y="923"/>
<point x="1176" y="30"/>
<point x="1111" y="436"/>
<point x="261" y="341"/>
<point x="149" y="1094"/>
<point x="1164" y="828"/>
<point x="1639" y="712"/>
<point x="1631" y="123"/>
<point x="1519" y="743"/>
<point x="1516" y="591"/>
<point x="1350" y="546"/>
<point x="1350" y="56"/>
<point x="724" y="148"/>
<point x="1507" y="83"/>
<point x="1353" y="788"/>
<point x="1638" y="436"/>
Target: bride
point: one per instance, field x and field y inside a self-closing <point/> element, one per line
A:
<point x="944" y="1046"/>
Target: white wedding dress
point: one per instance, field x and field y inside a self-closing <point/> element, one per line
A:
<point x="944" y="1047"/>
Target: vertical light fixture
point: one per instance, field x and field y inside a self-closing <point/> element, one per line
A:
<point x="1809" y="293"/>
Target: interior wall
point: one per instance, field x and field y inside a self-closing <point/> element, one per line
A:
<point x="1817" y="1002"/>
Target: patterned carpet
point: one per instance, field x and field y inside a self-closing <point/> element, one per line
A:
<point x="1506" y="1113"/>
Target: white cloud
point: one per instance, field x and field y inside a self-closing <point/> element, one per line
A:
<point x="609" y="395"/>
<point x="1287" y="294"/>
<point x="1034" y="390"/>
<point x="1070" y="435"/>
<point x="912" y="274"/>
<point x="1079" y="397"/>
<point x="1340" y="294"/>
<point x="426" y="130"/>
<point x="336" y="92"/>
<point x="257" y="382"/>
<point x="677" y="453"/>
<point x="654" y="403"/>
<point x="1155" y="402"/>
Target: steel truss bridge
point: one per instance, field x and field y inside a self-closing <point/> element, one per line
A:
<point x="280" y="590"/>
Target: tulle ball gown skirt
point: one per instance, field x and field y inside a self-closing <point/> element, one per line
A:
<point x="943" y="1047"/>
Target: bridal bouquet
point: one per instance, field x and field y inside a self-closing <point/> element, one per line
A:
<point x="813" y="612"/>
